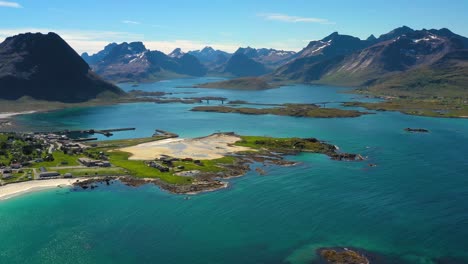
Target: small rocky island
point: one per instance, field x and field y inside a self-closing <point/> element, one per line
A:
<point x="295" y="110"/>
<point x="417" y="130"/>
<point x="247" y="83"/>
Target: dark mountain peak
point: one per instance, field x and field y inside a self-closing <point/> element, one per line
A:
<point x="248" y="51"/>
<point x="245" y="50"/>
<point x="95" y="58"/>
<point x="207" y="49"/>
<point x="443" y="31"/>
<point x="110" y="46"/>
<point x="137" y="46"/>
<point x="38" y="46"/>
<point x="371" y="38"/>
<point x="331" y="36"/>
<point x="241" y="65"/>
<point x="335" y="36"/>
<point x="176" y="53"/>
<point x="44" y="66"/>
<point x="397" y="32"/>
<point x="124" y="49"/>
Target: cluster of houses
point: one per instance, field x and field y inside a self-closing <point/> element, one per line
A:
<point x="7" y="172"/>
<point x="94" y="163"/>
<point x="164" y="163"/>
<point x="62" y="142"/>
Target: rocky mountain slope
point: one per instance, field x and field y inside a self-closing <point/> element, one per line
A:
<point x="133" y="62"/>
<point x="45" y="67"/>
<point x="213" y="60"/>
<point x="392" y="58"/>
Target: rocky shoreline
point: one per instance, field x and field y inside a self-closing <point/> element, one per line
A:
<point x="205" y="181"/>
<point x="342" y="256"/>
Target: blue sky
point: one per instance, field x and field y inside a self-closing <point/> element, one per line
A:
<point x="88" y="25"/>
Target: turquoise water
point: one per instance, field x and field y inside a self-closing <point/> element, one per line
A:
<point x="411" y="208"/>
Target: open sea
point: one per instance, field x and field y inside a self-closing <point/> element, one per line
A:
<point x="411" y="208"/>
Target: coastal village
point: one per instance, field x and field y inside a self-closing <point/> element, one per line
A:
<point x="176" y="165"/>
<point x="29" y="156"/>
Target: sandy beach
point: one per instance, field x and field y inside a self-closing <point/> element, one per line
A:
<point x="207" y="148"/>
<point x="16" y="189"/>
<point x="7" y="115"/>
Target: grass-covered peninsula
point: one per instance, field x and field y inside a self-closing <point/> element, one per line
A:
<point x="433" y="107"/>
<point x="201" y="166"/>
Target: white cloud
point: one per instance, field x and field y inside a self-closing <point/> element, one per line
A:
<point x="94" y="41"/>
<point x="131" y="22"/>
<point x="10" y="4"/>
<point x="294" y="19"/>
<point x="80" y="40"/>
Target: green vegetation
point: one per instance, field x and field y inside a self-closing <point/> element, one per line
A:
<point x="25" y="175"/>
<point x="440" y="90"/>
<point x="60" y="159"/>
<point x="78" y="172"/>
<point x="15" y="149"/>
<point x="249" y="83"/>
<point x="422" y="107"/>
<point x="121" y="143"/>
<point x="139" y="169"/>
<point x="295" y="110"/>
<point x="285" y="144"/>
<point x="426" y="82"/>
<point x="164" y="169"/>
<point x="208" y="165"/>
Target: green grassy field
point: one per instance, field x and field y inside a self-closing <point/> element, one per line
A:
<point x="285" y="144"/>
<point x="139" y="169"/>
<point x="60" y="160"/>
<point x="19" y="177"/>
<point x="113" y="171"/>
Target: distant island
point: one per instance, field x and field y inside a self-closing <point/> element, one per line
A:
<point x="251" y="83"/>
<point x="295" y="110"/>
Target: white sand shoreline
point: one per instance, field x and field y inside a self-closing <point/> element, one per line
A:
<point x="20" y="188"/>
<point x="6" y="115"/>
<point x="205" y="148"/>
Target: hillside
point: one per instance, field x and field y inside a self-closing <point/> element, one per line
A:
<point x="242" y="66"/>
<point x="45" y="67"/>
<point x="403" y="61"/>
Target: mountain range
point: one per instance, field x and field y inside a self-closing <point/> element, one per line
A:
<point x="133" y="62"/>
<point x="45" y="67"/>
<point x="402" y="61"/>
<point x="128" y="62"/>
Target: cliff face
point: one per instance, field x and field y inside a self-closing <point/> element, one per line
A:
<point x="45" y="67"/>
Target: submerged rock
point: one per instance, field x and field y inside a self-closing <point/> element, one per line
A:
<point x="342" y="256"/>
